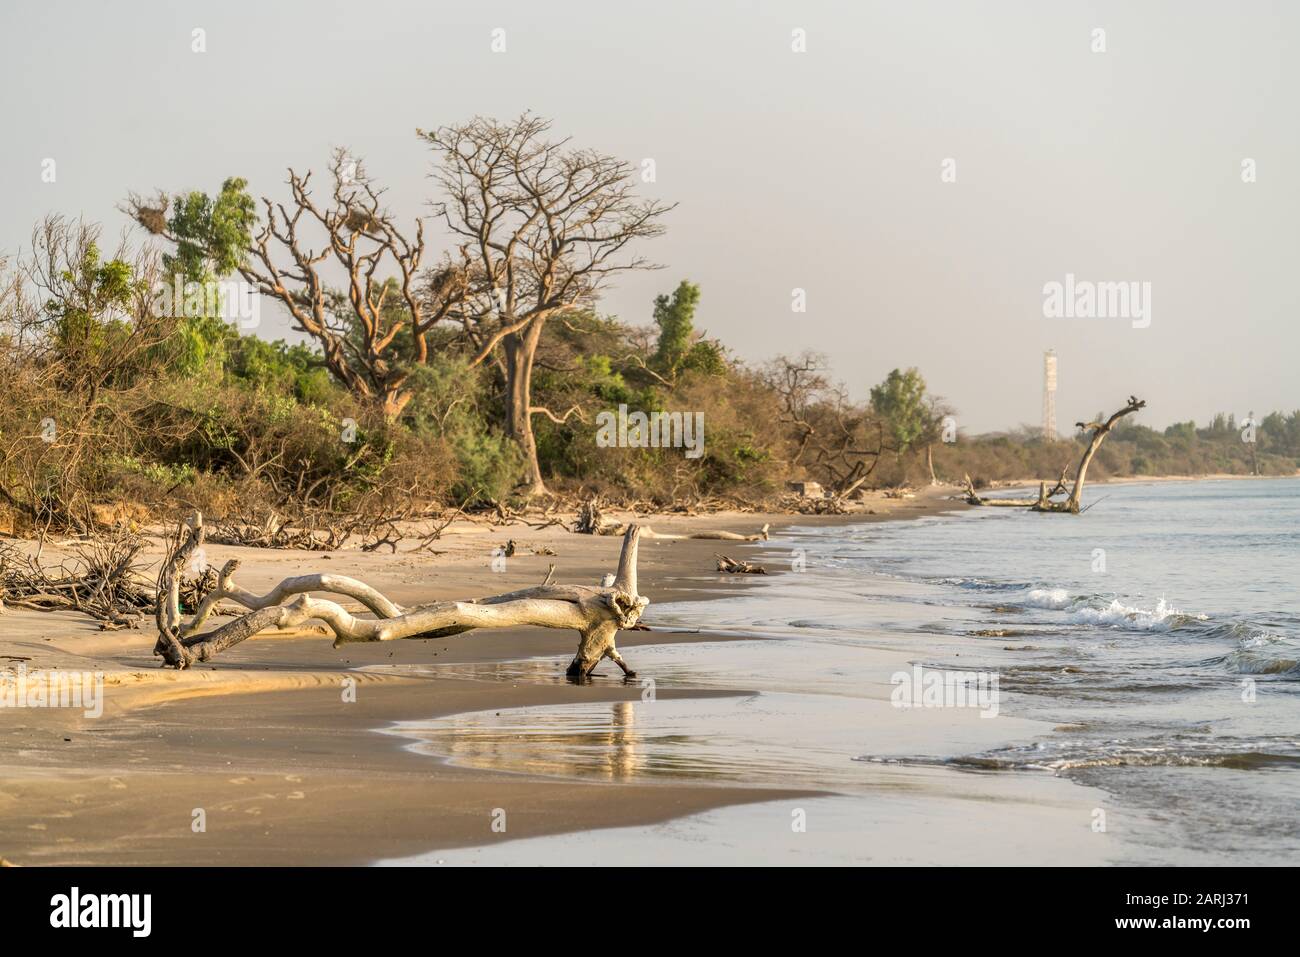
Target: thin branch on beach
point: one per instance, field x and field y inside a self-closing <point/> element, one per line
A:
<point x="590" y="521"/>
<point x="102" y="579"/>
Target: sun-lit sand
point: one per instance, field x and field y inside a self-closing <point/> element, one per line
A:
<point x="287" y="764"/>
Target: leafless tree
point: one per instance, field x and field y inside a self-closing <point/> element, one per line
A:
<point x="543" y="227"/>
<point x="364" y="328"/>
<point x="1073" y="503"/>
<point x="839" y="442"/>
<point x="798" y="383"/>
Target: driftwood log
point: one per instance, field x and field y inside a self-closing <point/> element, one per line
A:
<point x="733" y="567"/>
<point x="1046" y="501"/>
<point x="595" y="612"/>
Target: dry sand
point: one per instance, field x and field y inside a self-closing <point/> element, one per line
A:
<point x="285" y="770"/>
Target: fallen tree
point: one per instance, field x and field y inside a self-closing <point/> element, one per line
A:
<point x="595" y="612"/>
<point x="1046" y="499"/>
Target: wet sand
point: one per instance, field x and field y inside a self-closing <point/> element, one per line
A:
<point x="262" y="740"/>
<point x="265" y="748"/>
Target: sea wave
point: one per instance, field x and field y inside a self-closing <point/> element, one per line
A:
<point x="1262" y="648"/>
<point x="1043" y="759"/>
<point x="1051" y="598"/>
<point x="1116" y="612"/>
<point x="973" y="584"/>
<point x="1249" y="663"/>
<point x="1265" y="654"/>
<point x="1103" y="611"/>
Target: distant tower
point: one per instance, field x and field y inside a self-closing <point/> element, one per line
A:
<point x="1049" y="395"/>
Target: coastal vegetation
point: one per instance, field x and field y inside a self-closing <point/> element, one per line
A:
<point x="134" y="384"/>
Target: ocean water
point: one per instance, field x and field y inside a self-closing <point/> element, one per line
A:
<point x="1147" y="656"/>
<point x="1159" y="632"/>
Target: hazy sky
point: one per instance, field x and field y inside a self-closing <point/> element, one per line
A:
<point x="818" y="170"/>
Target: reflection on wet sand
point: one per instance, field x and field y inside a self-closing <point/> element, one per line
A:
<point x="777" y="741"/>
<point x="602" y="744"/>
<point x="805" y="735"/>
<point x="590" y="741"/>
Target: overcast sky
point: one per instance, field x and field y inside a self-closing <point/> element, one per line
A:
<point x="819" y="170"/>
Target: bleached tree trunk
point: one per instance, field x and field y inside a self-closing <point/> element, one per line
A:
<point x="597" y="613"/>
<point x="1072" y="504"/>
<point x="1099" y="432"/>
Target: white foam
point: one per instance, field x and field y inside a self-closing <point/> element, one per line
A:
<point x="1117" y="613"/>
<point x="1114" y="613"/>
<point x="1048" y="598"/>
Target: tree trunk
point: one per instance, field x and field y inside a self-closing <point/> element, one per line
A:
<point x="1099" y="431"/>
<point x="520" y="350"/>
<point x="395" y="400"/>
<point x="1073" y="504"/>
<point x="597" y="613"/>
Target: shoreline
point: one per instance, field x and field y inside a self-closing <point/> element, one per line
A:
<point x="936" y="814"/>
<point x="287" y="772"/>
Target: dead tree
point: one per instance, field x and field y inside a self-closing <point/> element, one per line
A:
<point x="543" y="228"/>
<point x="301" y="245"/>
<point x="1046" y="499"/>
<point x="102" y="578"/>
<point x="595" y="612"/>
<point x="838" y="442"/>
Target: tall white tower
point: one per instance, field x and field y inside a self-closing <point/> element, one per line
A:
<point x="1049" y="395"/>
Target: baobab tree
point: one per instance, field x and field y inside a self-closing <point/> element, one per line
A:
<point x="542" y="227"/>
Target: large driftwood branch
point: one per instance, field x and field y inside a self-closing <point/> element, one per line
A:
<point x="1044" y="502"/>
<point x="302" y="584"/>
<point x="595" y="612"/>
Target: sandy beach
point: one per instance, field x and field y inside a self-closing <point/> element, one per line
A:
<point x="263" y="740"/>
<point x="288" y="751"/>
<point x="278" y="753"/>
